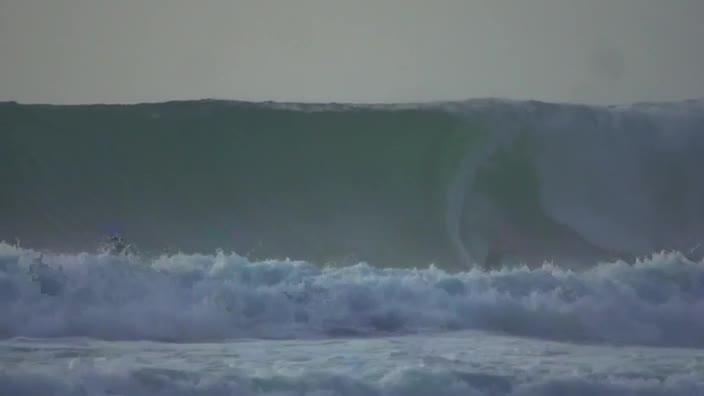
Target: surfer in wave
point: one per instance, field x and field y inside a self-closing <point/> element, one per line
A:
<point x="115" y="244"/>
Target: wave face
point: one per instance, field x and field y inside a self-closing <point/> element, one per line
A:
<point x="485" y="181"/>
<point x="183" y="298"/>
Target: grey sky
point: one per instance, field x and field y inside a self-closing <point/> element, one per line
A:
<point x="595" y="51"/>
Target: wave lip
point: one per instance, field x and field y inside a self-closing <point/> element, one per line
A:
<point x="183" y="298"/>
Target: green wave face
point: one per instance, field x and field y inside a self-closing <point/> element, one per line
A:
<point x="459" y="184"/>
<point x="333" y="185"/>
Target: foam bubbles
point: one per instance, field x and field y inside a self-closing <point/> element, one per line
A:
<point x="657" y="301"/>
<point x="404" y="382"/>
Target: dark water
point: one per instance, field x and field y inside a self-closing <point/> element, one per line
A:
<point x="483" y="181"/>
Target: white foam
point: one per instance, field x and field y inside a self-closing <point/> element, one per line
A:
<point x="658" y="301"/>
<point x="404" y="383"/>
<point x="462" y="363"/>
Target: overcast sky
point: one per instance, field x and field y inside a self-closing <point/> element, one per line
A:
<point x="593" y="51"/>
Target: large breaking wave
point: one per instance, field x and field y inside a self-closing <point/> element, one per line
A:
<point x="658" y="301"/>
<point x="485" y="181"/>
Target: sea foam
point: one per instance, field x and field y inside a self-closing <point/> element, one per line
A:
<point x="181" y="298"/>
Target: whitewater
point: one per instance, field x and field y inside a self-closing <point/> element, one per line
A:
<point x="485" y="247"/>
<point x="221" y="324"/>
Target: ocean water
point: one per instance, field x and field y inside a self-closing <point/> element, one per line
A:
<point x="460" y="363"/>
<point x="489" y="182"/>
<point x="220" y="324"/>
<point x="486" y="247"/>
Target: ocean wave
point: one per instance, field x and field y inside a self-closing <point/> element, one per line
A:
<point x="489" y="182"/>
<point x="181" y="298"/>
